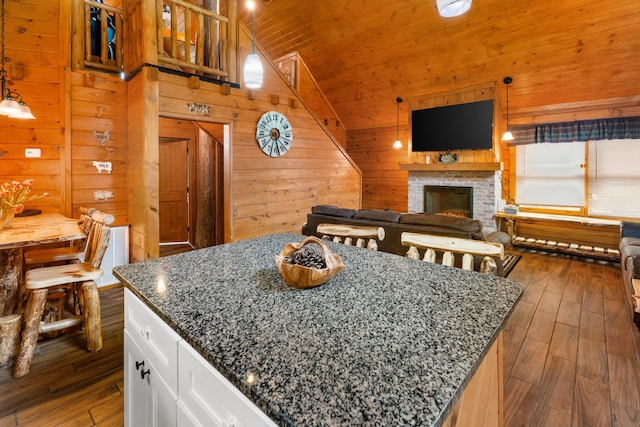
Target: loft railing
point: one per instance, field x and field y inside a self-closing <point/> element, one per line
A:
<point x="103" y="36"/>
<point x="192" y="38"/>
<point x="189" y="38"/>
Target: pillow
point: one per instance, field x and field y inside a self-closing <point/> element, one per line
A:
<point x="458" y="223"/>
<point x="333" y="211"/>
<point x="378" y="215"/>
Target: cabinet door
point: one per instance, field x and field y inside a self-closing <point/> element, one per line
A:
<point x="209" y="398"/>
<point x="135" y="390"/>
<point x="149" y="401"/>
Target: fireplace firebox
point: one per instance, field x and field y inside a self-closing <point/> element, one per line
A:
<point x="448" y="200"/>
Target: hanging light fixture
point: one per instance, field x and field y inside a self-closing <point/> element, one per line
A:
<point x="253" y="71"/>
<point x="12" y="104"/>
<point x="452" y="8"/>
<point x="507" y="136"/>
<point x="398" y="144"/>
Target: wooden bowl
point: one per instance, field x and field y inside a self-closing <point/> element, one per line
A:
<point x="300" y="276"/>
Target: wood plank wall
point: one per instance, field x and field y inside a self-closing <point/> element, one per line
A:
<point x="99" y="110"/>
<point x="35" y="27"/>
<point x="384" y="185"/>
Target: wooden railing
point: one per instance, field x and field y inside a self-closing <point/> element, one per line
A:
<point x="363" y="236"/>
<point x="102" y="43"/>
<point x="193" y="39"/>
<point x="189" y="38"/>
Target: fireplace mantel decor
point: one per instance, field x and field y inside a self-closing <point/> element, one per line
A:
<point x="476" y="166"/>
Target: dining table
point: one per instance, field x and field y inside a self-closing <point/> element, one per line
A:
<point x="28" y="231"/>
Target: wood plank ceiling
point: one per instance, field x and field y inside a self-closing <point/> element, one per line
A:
<point x="365" y="53"/>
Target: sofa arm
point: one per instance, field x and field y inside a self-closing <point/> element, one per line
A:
<point x="629" y="229"/>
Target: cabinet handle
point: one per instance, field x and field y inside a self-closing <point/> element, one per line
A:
<point x="139" y="364"/>
<point x="145" y="332"/>
<point x="231" y="422"/>
<point x="144" y="373"/>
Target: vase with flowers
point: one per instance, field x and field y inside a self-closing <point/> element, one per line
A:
<point x="12" y="198"/>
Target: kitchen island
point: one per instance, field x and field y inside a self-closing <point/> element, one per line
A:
<point x="387" y="341"/>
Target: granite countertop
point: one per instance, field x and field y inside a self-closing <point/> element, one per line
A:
<point x="387" y="341"/>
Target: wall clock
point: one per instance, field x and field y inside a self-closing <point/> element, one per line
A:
<point x="274" y="134"/>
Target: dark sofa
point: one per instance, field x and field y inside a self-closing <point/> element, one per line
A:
<point x="630" y="261"/>
<point x="395" y="223"/>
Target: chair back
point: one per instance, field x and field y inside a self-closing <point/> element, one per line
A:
<point x="85" y="226"/>
<point x="98" y="238"/>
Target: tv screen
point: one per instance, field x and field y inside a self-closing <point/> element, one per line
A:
<point x="453" y="127"/>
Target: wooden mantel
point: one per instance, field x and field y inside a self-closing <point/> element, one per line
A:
<point x="432" y="167"/>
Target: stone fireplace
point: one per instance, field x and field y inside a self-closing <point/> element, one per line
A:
<point x="449" y="200"/>
<point x="485" y="191"/>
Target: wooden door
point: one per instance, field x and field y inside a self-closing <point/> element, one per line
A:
<point x="174" y="191"/>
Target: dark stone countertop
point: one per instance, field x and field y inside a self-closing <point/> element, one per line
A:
<point x="388" y="341"/>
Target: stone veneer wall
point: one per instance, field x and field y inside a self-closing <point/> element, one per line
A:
<point x="486" y="186"/>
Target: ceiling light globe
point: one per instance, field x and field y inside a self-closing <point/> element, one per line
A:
<point x="397" y="145"/>
<point x="507" y="136"/>
<point x="452" y="8"/>
<point x="253" y="71"/>
<point x="9" y="107"/>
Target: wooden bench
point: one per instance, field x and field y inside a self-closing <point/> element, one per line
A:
<point x="364" y="236"/>
<point x="452" y="246"/>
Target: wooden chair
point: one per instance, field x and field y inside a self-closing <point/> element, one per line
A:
<point x="449" y="246"/>
<point x="364" y="236"/>
<point x="80" y="277"/>
<point x="72" y="253"/>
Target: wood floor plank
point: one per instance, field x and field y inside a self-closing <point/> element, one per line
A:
<point x="592" y="325"/>
<point x="541" y="328"/>
<point x="625" y="380"/>
<point x="549" y="302"/>
<point x="8" y="420"/>
<point x="546" y="416"/>
<point x="593" y="301"/>
<point x="591" y="404"/>
<point x="513" y="337"/>
<point x="532" y="293"/>
<point x="530" y="362"/>
<point x="519" y="400"/>
<point x="592" y="360"/>
<point x="522" y="314"/>
<point x="625" y="416"/>
<point x="573" y="289"/>
<point x="556" y="387"/>
<point x="564" y="342"/>
<point x="569" y="313"/>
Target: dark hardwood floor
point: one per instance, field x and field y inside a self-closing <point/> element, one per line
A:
<point x="570" y="357"/>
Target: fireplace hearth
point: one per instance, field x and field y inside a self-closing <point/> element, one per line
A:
<point x="448" y="200"/>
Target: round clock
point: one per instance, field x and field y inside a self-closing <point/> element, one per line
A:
<point x="274" y="134"/>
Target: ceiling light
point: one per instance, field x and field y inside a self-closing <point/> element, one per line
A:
<point x="507" y="136"/>
<point x="253" y="71"/>
<point x="398" y="144"/>
<point x="451" y="8"/>
<point x="9" y="106"/>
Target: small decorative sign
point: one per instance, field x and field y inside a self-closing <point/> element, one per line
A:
<point x="102" y="137"/>
<point x="199" y="108"/>
<point x="102" y="166"/>
<point x="102" y="195"/>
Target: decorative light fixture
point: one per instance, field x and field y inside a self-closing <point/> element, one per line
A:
<point x="507" y="136"/>
<point x="9" y="106"/>
<point x="166" y="13"/>
<point x="398" y="144"/>
<point x="452" y="8"/>
<point x="253" y="71"/>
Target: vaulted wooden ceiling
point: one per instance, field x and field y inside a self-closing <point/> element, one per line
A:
<point x="365" y="53"/>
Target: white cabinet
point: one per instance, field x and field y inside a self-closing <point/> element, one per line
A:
<point x="150" y="367"/>
<point x="149" y="401"/>
<point x="167" y="383"/>
<point x="117" y="254"/>
<point x="209" y="399"/>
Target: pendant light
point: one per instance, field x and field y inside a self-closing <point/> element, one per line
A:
<point x="253" y="72"/>
<point x="9" y="106"/>
<point x="453" y="8"/>
<point x="507" y="136"/>
<point x="398" y="144"/>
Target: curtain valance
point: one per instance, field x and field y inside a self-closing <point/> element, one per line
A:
<point x="585" y="130"/>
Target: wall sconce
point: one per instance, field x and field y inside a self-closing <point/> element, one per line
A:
<point x="253" y="71"/>
<point x="507" y="136"/>
<point x="398" y="144"/>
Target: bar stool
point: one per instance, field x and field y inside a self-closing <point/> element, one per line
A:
<point x="80" y="278"/>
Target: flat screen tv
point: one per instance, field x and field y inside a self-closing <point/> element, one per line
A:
<point x="453" y="127"/>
